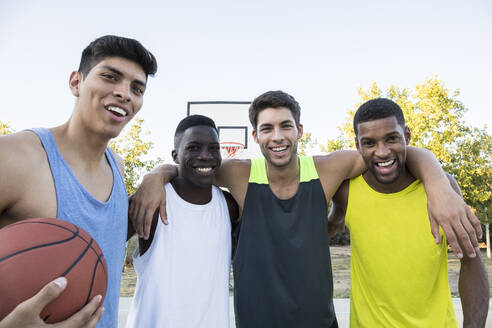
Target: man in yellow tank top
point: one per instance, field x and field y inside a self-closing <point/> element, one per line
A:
<point x="399" y="275"/>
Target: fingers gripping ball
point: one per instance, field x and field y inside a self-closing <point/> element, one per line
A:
<point x="36" y="251"/>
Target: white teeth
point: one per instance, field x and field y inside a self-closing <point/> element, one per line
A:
<point x="117" y="110"/>
<point x="388" y="163"/>
<point x="279" y="148"/>
<point x="204" y="169"/>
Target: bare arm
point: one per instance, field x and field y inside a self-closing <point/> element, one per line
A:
<point x="446" y="208"/>
<point x="474" y="291"/>
<point x="149" y="197"/>
<point x="336" y="218"/>
<point x="336" y="167"/>
<point x="473" y="284"/>
<point x="26" y="314"/>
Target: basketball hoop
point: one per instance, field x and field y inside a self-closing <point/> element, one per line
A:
<point x="231" y="149"/>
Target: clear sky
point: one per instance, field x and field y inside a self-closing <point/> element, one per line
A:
<point x="321" y="52"/>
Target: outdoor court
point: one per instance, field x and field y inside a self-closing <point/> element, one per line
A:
<point x="342" y="307"/>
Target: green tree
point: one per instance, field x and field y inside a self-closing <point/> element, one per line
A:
<point x="5" y="128"/>
<point x="434" y="115"/>
<point x="132" y="147"/>
<point x="305" y="143"/>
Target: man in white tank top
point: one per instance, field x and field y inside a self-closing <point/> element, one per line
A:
<point x="183" y="268"/>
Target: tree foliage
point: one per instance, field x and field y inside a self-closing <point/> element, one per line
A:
<point x="132" y="146"/>
<point x="5" y="128"/>
<point x="434" y="115"/>
<point x="306" y="142"/>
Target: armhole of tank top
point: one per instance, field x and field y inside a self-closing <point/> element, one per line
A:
<point x="347" y="211"/>
<point x="144" y="259"/>
<point x="44" y="135"/>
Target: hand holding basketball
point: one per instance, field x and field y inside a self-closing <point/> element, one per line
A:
<point x="27" y="313"/>
<point x="35" y="252"/>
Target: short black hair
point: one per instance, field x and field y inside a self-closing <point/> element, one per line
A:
<point x="274" y="99"/>
<point x="117" y="46"/>
<point x="191" y="121"/>
<point x="376" y="109"/>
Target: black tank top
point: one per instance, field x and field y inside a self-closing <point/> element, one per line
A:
<point x="282" y="266"/>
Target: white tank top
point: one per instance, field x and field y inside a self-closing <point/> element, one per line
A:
<point x="183" y="278"/>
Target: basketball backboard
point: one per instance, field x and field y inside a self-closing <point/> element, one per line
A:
<point x="231" y="119"/>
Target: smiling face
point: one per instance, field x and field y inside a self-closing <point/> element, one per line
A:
<point x="109" y="96"/>
<point x="382" y="144"/>
<point x="277" y="134"/>
<point x="198" y="155"/>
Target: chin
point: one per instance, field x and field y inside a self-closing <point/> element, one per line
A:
<point x="387" y="180"/>
<point x="203" y="183"/>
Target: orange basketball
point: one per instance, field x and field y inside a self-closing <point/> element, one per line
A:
<point x="36" y="251"/>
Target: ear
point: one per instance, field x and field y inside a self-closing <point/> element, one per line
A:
<point x="74" y="83"/>
<point x="356" y="140"/>
<point x="174" y="154"/>
<point x="255" y="136"/>
<point x="300" y="131"/>
<point x="408" y="135"/>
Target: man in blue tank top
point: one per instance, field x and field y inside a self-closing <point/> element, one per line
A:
<point x="68" y="172"/>
<point x="282" y="269"/>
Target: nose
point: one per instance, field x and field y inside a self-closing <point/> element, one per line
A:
<point x="205" y="154"/>
<point x="381" y="150"/>
<point x="122" y="92"/>
<point x="277" y="135"/>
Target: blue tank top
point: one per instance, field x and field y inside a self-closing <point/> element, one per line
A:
<point x="106" y="222"/>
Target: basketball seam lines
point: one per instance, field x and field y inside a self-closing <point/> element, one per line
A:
<point x="92" y="279"/>
<point x="76" y="233"/>
<point x="38" y="246"/>
<point x="77" y="260"/>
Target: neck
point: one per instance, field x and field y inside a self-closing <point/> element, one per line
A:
<point x="191" y="192"/>
<point x="403" y="181"/>
<point x="284" y="175"/>
<point x="81" y="144"/>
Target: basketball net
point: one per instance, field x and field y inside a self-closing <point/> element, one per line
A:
<point x="231" y="149"/>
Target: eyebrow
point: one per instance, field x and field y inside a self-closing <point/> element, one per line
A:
<point x="283" y="122"/>
<point x="118" y="72"/>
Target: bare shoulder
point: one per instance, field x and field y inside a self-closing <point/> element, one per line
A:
<point x="119" y="161"/>
<point x="234" y="175"/>
<point x="232" y="172"/>
<point x="24" y="151"/>
<point x="25" y="173"/>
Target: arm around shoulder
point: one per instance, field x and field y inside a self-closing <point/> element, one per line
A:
<point x="149" y="197"/>
<point x="233" y="174"/>
<point x="446" y="208"/>
<point x="336" y="167"/>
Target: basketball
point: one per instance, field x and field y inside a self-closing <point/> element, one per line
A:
<point x="36" y="251"/>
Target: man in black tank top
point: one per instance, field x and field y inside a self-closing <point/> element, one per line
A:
<point x="282" y="269"/>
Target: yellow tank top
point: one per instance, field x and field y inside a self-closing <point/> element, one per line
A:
<point x="399" y="276"/>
